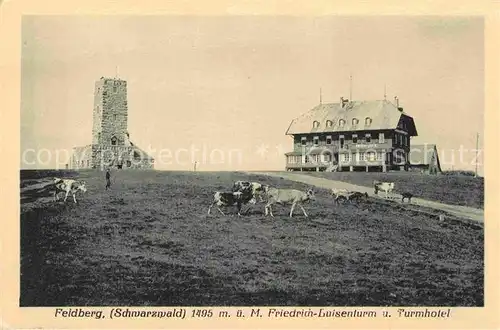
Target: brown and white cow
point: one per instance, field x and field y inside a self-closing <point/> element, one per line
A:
<point x="256" y="188"/>
<point x="68" y="186"/>
<point x="234" y="198"/>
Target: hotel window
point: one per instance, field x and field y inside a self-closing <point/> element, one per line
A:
<point x="370" y="156"/>
<point x="315" y="124"/>
<point x="379" y="155"/>
<point x="361" y="156"/>
<point x="345" y="157"/>
<point x="316" y="140"/>
<point x="328" y="158"/>
<point x="341" y="140"/>
<point x="355" y="121"/>
<point x="381" y="138"/>
<point x="303" y="141"/>
<point x="368" y="138"/>
<point x="354" y="138"/>
<point x="328" y="140"/>
<point x="368" y="121"/>
<point x="329" y="123"/>
<point x="341" y="122"/>
<point x="306" y="159"/>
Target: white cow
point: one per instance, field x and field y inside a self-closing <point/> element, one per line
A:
<point x="68" y="186"/>
<point x="287" y="196"/>
<point x="387" y="187"/>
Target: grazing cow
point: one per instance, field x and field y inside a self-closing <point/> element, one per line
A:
<point x="387" y="187"/>
<point x="287" y="196"/>
<point x="347" y="195"/>
<point x="256" y="188"/>
<point x="407" y="195"/>
<point x="68" y="186"/>
<point x="233" y="198"/>
<point x="357" y="196"/>
<point x="339" y="194"/>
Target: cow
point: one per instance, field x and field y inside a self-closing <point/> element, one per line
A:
<point x="287" y="196"/>
<point x="233" y="198"/>
<point x="256" y="188"/>
<point x="338" y="194"/>
<point x="407" y="195"/>
<point x="387" y="187"/>
<point x="68" y="186"/>
<point x="347" y="195"/>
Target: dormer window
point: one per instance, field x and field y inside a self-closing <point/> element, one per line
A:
<point x="368" y="121"/>
<point x="355" y="121"/>
<point x="329" y="123"/>
<point x="341" y="122"/>
<point x="315" y="124"/>
<point x="316" y="140"/>
<point x="303" y="141"/>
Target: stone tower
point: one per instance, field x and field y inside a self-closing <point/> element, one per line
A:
<point x="110" y="112"/>
<point x="111" y="145"/>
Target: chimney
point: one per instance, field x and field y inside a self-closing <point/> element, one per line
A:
<point x="396" y="101"/>
<point x="343" y="102"/>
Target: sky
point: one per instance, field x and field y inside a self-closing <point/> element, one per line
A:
<point x="222" y="91"/>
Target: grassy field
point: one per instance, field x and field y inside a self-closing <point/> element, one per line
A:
<point x="449" y="189"/>
<point x="149" y="241"/>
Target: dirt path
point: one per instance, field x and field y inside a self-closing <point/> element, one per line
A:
<point x="456" y="210"/>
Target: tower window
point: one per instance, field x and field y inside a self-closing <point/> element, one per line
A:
<point x="114" y="117"/>
<point x="113" y="141"/>
<point x="114" y="89"/>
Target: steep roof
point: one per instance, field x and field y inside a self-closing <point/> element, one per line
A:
<point x="144" y="155"/>
<point x="383" y="114"/>
<point x="422" y="154"/>
<point x="83" y="152"/>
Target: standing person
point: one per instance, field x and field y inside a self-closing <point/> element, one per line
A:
<point x="108" y="179"/>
